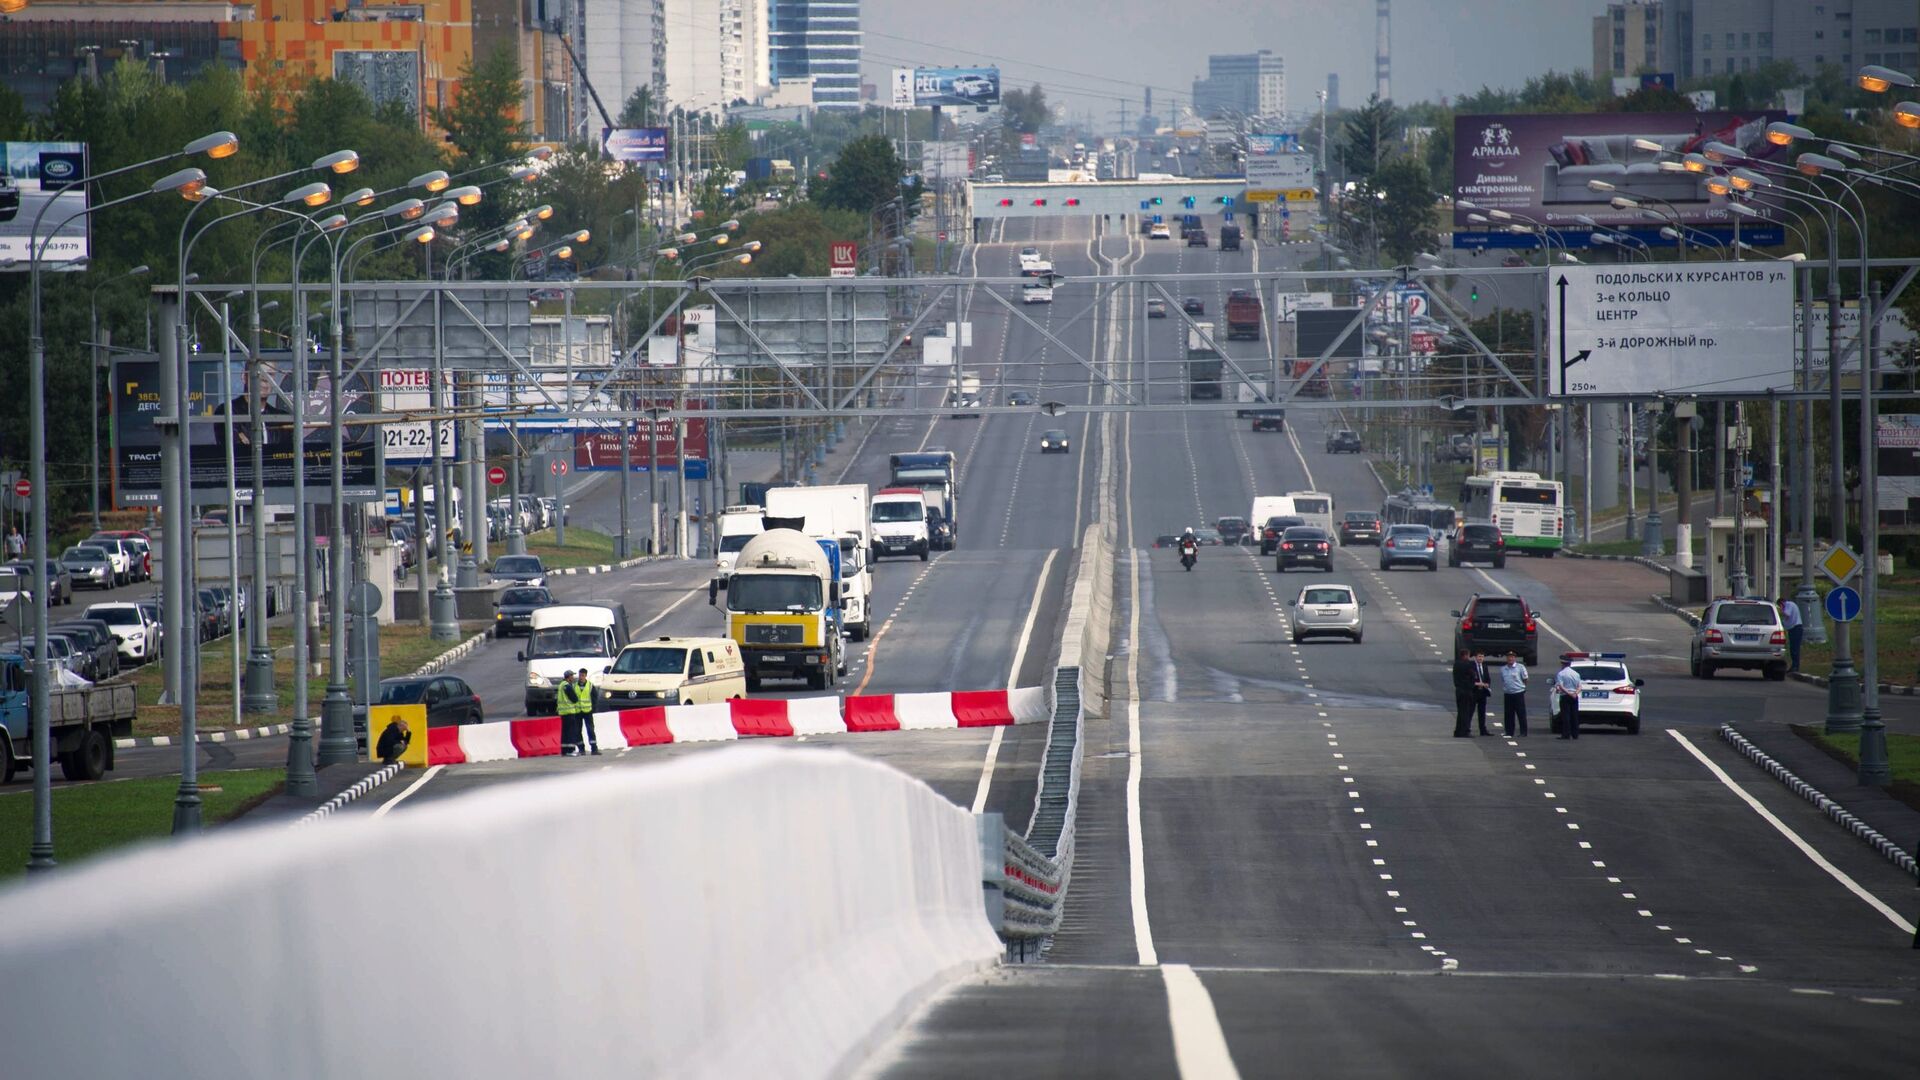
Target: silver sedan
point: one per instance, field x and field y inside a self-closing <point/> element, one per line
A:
<point x="1333" y="610"/>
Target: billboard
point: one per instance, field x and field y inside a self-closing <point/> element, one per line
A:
<point x="1538" y="166"/>
<point x="902" y="97"/>
<point x="137" y="401"/>
<point x="1279" y="172"/>
<point x="34" y="175"/>
<point x="599" y="450"/>
<point x="410" y="390"/>
<point x="1685" y="328"/>
<point x="956" y="86"/>
<point x="635" y="144"/>
<point x="387" y="77"/>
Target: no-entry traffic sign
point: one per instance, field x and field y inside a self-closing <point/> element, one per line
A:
<point x="496" y="476"/>
<point x="23" y="487"/>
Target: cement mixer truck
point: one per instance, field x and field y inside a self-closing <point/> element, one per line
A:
<point x="783" y="609"/>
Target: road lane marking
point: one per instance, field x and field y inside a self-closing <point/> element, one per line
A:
<point x="1199" y="1045"/>
<point x="666" y="612"/>
<point x="1136" y="848"/>
<point x="1794" y="838"/>
<point x="1013" y="680"/>
<point x="1491" y="580"/>
<point x="383" y="808"/>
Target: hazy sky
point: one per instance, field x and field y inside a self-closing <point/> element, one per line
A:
<point x="1091" y="54"/>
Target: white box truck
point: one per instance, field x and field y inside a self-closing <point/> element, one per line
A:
<point x="837" y="512"/>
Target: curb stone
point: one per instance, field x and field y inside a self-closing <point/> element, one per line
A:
<point x="364" y="786"/>
<point x="437" y="664"/>
<point x="232" y="735"/>
<point x="1841" y="816"/>
<point x="1690" y="617"/>
<point x="603" y="568"/>
<point x="1657" y="567"/>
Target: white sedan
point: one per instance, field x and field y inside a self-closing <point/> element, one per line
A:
<point x="1609" y="694"/>
<point x="1159" y="232"/>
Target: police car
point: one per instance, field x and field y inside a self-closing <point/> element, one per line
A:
<point x="1609" y="694"/>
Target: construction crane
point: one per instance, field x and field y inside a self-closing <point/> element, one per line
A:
<point x="580" y="69"/>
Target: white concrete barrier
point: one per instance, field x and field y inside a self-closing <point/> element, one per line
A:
<point x="765" y="912"/>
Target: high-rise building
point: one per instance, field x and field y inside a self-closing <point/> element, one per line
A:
<point x="623" y="46"/>
<point x="745" y="71"/>
<point x="1627" y="40"/>
<point x="693" y="55"/>
<point x="817" y="40"/>
<point x="1333" y="91"/>
<point x="1249" y="84"/>
<point x="1383" y="49"/>
<point x="1705" y="38"/>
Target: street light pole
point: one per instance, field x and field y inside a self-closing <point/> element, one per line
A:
<point x="1874" y="769"/>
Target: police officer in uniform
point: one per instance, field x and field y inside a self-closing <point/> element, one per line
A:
<point x="584" y="688"/>
<point x="567" y="703"/>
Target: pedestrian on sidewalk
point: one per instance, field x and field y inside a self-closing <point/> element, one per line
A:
<point x="1513" y="683"/>
<point x="1796" y="631"/>
<point x="1465" y="695"/>
<point x="1566" y="691"/>
<point x="16" y="544"/>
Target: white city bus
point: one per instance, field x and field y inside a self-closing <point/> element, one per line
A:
<point x="1531" y="512"/>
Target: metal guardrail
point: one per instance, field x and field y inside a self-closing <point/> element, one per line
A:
<point x="1024" y="879"/>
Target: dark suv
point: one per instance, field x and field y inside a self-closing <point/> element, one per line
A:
<point x="1496" y="624"/>
<point x="1477" y="543"/>
<point x="1344" y="442"/>
<point x="1359" y="527"/>
<point x="1231" y="529"/>
<point x="1271" y="530"/>
<point x="1304" y="545"/>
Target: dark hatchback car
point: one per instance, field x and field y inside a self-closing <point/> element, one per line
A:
<point x="1477" y="543"/>
<point x="1271" y="529"/>
<point x="97" y="638"/>
<point x="515" y="608"/>
<point x="1495" y="625"/>
<point x="1232" y="529"/>
<point x="1304" y="545"/>
<point x="1193" y="305"/>
<point x="1344" y="442"/>
<point x="449" y="700"/>
<point x="1359" y="527"/>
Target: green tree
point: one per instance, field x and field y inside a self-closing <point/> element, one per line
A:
<point x="638" y="111"/>
<point x="14" y="122"/>
<point x="483" y="126"/>
<point x="1366" y="137"/>
<point x="1406" y="208"/>
<point x="863" y="178"/>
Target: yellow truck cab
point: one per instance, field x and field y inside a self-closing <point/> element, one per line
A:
<point x="672" y="671"/>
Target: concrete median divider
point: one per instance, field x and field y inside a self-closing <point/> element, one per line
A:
<point x="760" y="913"/>
<point x="1087" y="632"/>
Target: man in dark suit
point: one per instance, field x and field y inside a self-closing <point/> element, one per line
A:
<point x="1482" y="689"/>
<point x="1466" y="695"/>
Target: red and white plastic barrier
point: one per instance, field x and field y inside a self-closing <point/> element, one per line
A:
<point x="756" y="718"/>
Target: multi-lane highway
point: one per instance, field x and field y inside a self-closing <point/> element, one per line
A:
<point x="1286" y="863"/>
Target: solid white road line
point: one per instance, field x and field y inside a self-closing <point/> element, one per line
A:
<point x="1294" y="439"/>
<point x="1013" y="680"/>
<point x="668" y="610"/>
<point x="1199" y="1045"/>
<point x="381" y="810"/>
<point x="1793" y="837"/>
<point x="1136" y="847"/>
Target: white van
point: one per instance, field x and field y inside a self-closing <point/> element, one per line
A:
<point x="568" y="637"/>
<point x="672" y="671"/>
<point x="738" y="524"/>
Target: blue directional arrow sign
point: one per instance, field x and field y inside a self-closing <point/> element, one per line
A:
<point x="1843" y="604"/>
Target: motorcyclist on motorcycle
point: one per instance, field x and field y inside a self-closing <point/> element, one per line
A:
<point x="1189" y="548"/>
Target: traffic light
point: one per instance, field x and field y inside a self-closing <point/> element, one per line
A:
<point x="1073" y="202"/>
<point x="1474" y="294"/>
<point x="1156" y="200"/>
<point x="1187" y="202"/>
<point x="1039" y="202"/>
<point x="1006" y="202"/>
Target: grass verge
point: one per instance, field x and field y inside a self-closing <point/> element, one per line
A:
<point x="404" y="647"/>
<point x="89" y="819"/>
<point x="1896" y="626"/>
<point x="584" y="547"/>
<point x="1903" y="758"/>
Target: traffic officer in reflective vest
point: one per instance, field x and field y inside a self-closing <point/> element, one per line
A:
<point x="567" y="704"/>
<point x="584" y="689"/>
